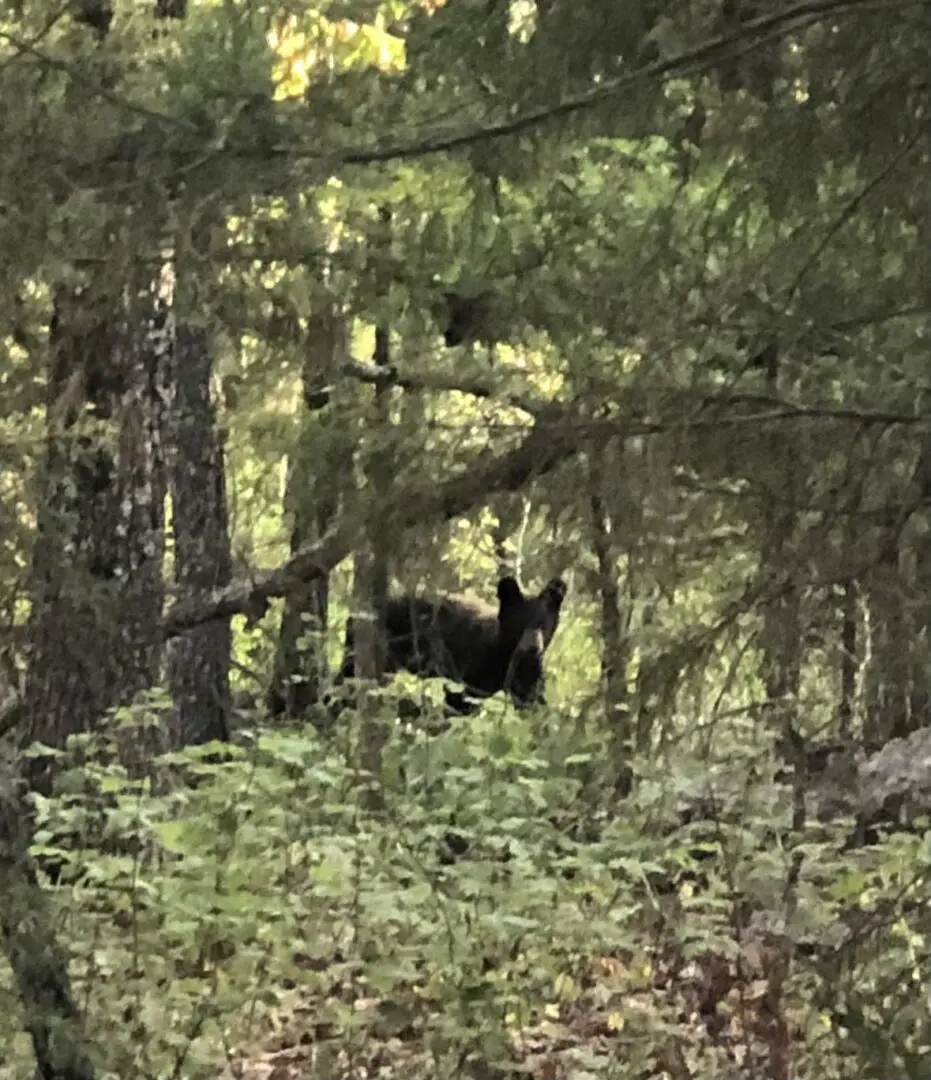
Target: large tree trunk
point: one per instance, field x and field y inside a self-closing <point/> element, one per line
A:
<point x="97" y="591"/>
<point x="200" y="659"/>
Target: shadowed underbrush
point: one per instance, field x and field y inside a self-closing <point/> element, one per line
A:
<point x="237" y="904"/>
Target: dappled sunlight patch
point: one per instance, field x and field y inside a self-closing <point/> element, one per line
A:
<point x="314" y="44"/>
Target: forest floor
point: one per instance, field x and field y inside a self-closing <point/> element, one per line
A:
<point x="707" y="1016"/>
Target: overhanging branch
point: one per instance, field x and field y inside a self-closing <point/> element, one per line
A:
<point x="545" y="447"/>
<point x="369" y="373"/>
<point x="550" y="443"/>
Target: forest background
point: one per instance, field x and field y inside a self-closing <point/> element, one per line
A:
<point x="302" y="303"/>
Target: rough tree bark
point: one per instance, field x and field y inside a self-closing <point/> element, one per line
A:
<point x="199" y="661"/>
<point x="96" y="589"/>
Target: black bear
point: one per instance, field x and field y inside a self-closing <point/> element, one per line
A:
<point x="471" y="643"/>
<point x="467" y="319"/>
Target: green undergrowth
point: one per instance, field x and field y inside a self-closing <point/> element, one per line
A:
<point x="237" y="891"/>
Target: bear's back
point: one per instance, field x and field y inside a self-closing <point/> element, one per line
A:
<point x="453" y="637"/>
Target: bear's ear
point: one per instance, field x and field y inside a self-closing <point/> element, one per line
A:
<point x="509" y="592"/>
<point x="555" y="593"/>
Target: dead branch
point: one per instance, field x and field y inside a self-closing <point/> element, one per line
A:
<point x="369" y="373"/>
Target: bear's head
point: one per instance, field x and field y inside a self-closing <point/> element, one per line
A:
<point x="526" y="625"/>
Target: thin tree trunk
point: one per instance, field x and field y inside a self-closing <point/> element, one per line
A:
<point x="512" y="515"/>
<point x="614" y="651"/>
<point x="371" y="566"/>
<point x="849" y="662"/>
<point x="318" y="473"/>
<point x="781" y="637"/>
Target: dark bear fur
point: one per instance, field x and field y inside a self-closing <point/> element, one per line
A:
<point x="465" y="641"/>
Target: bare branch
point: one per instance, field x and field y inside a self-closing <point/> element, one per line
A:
<point x="369" y="373"/>
<point x="540" y="452"/>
